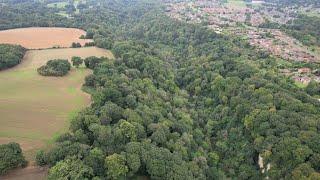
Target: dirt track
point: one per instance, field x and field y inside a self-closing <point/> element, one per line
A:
<point x="28" y="173"/>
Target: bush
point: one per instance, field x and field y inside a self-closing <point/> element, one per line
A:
<point x="88" y="44"/>
<point x="105" y="43"/>
<point x="57" y="67"/>
<point x="10" y="55"/>
<point x="76" y="45"/>
<point x="41" y="159"/>
<point x="90" y="80"/>
<point x="90" y="34"/>
<point x="76" y="61"/>
<point x="11" y="157"/>
<point x="71" y="168"/>
<point x="313" y="88"/>
<point x="92" y="62"/>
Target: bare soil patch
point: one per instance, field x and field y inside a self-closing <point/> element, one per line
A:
<point x="43" y="37"/>
<point x="28" y="173"/>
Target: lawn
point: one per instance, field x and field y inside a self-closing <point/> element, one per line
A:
<point x="57" y="5"/>
<point x="33" y="108"/>
<point x="64" y="14"/>
<point x="312" y="13"/>
<point x="236" y="3"/>
<point x="300" y="85"/>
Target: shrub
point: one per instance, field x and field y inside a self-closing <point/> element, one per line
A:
<point x="71" y="168"/>
<point x="76" y="45"/>
<point x="41" y="159"/>
<point x="90" y="80"/>
<point x="92" y="62"/>
<point x="76" y="61"/>
<point x="88" y="44"/>
<point x="313" y="88"/>
<point x="90" y="34"/>
<point x="11" y="157"/>
<point x="57" y="67"/>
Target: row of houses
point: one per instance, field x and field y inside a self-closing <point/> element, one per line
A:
<point x="280" y="44"/>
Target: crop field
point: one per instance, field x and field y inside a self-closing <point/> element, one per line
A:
<point x="34" y="108"/>
<point x="42" y="37"/>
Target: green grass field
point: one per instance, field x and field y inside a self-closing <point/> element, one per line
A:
<point x="61" y="5"/>
<point x="57" y="5"/>
<point x="236" y="3"/>
<point x="64" y="14"/>
<point x="36" y="109"/>
<point x="300" y="85"/>
<point x="311" y="13"/>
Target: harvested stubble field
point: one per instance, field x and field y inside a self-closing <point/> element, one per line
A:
<point x="34" y="108"/>
<point x="43" y="37"/>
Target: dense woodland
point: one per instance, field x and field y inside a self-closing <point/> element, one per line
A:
<point x="10" y="55"/>
<point x="180" y="102"/>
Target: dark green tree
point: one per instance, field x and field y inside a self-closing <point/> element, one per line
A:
<point x="11" y="157"/>
<point x="76" y="61"/>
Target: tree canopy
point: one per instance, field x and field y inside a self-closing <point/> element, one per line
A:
<point x="10" y="55"/>
<point x="11" y="157"/>
<point x="56" y="67"/>
<point x="183" y="102"/>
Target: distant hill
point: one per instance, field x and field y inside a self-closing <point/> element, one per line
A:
<point x="295" y="2"/>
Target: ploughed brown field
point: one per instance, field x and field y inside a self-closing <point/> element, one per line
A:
<point x="43" y="37"/>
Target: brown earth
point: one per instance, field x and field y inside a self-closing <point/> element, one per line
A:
<point x="43" y="37"/>
<point x="28" y="173"/>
